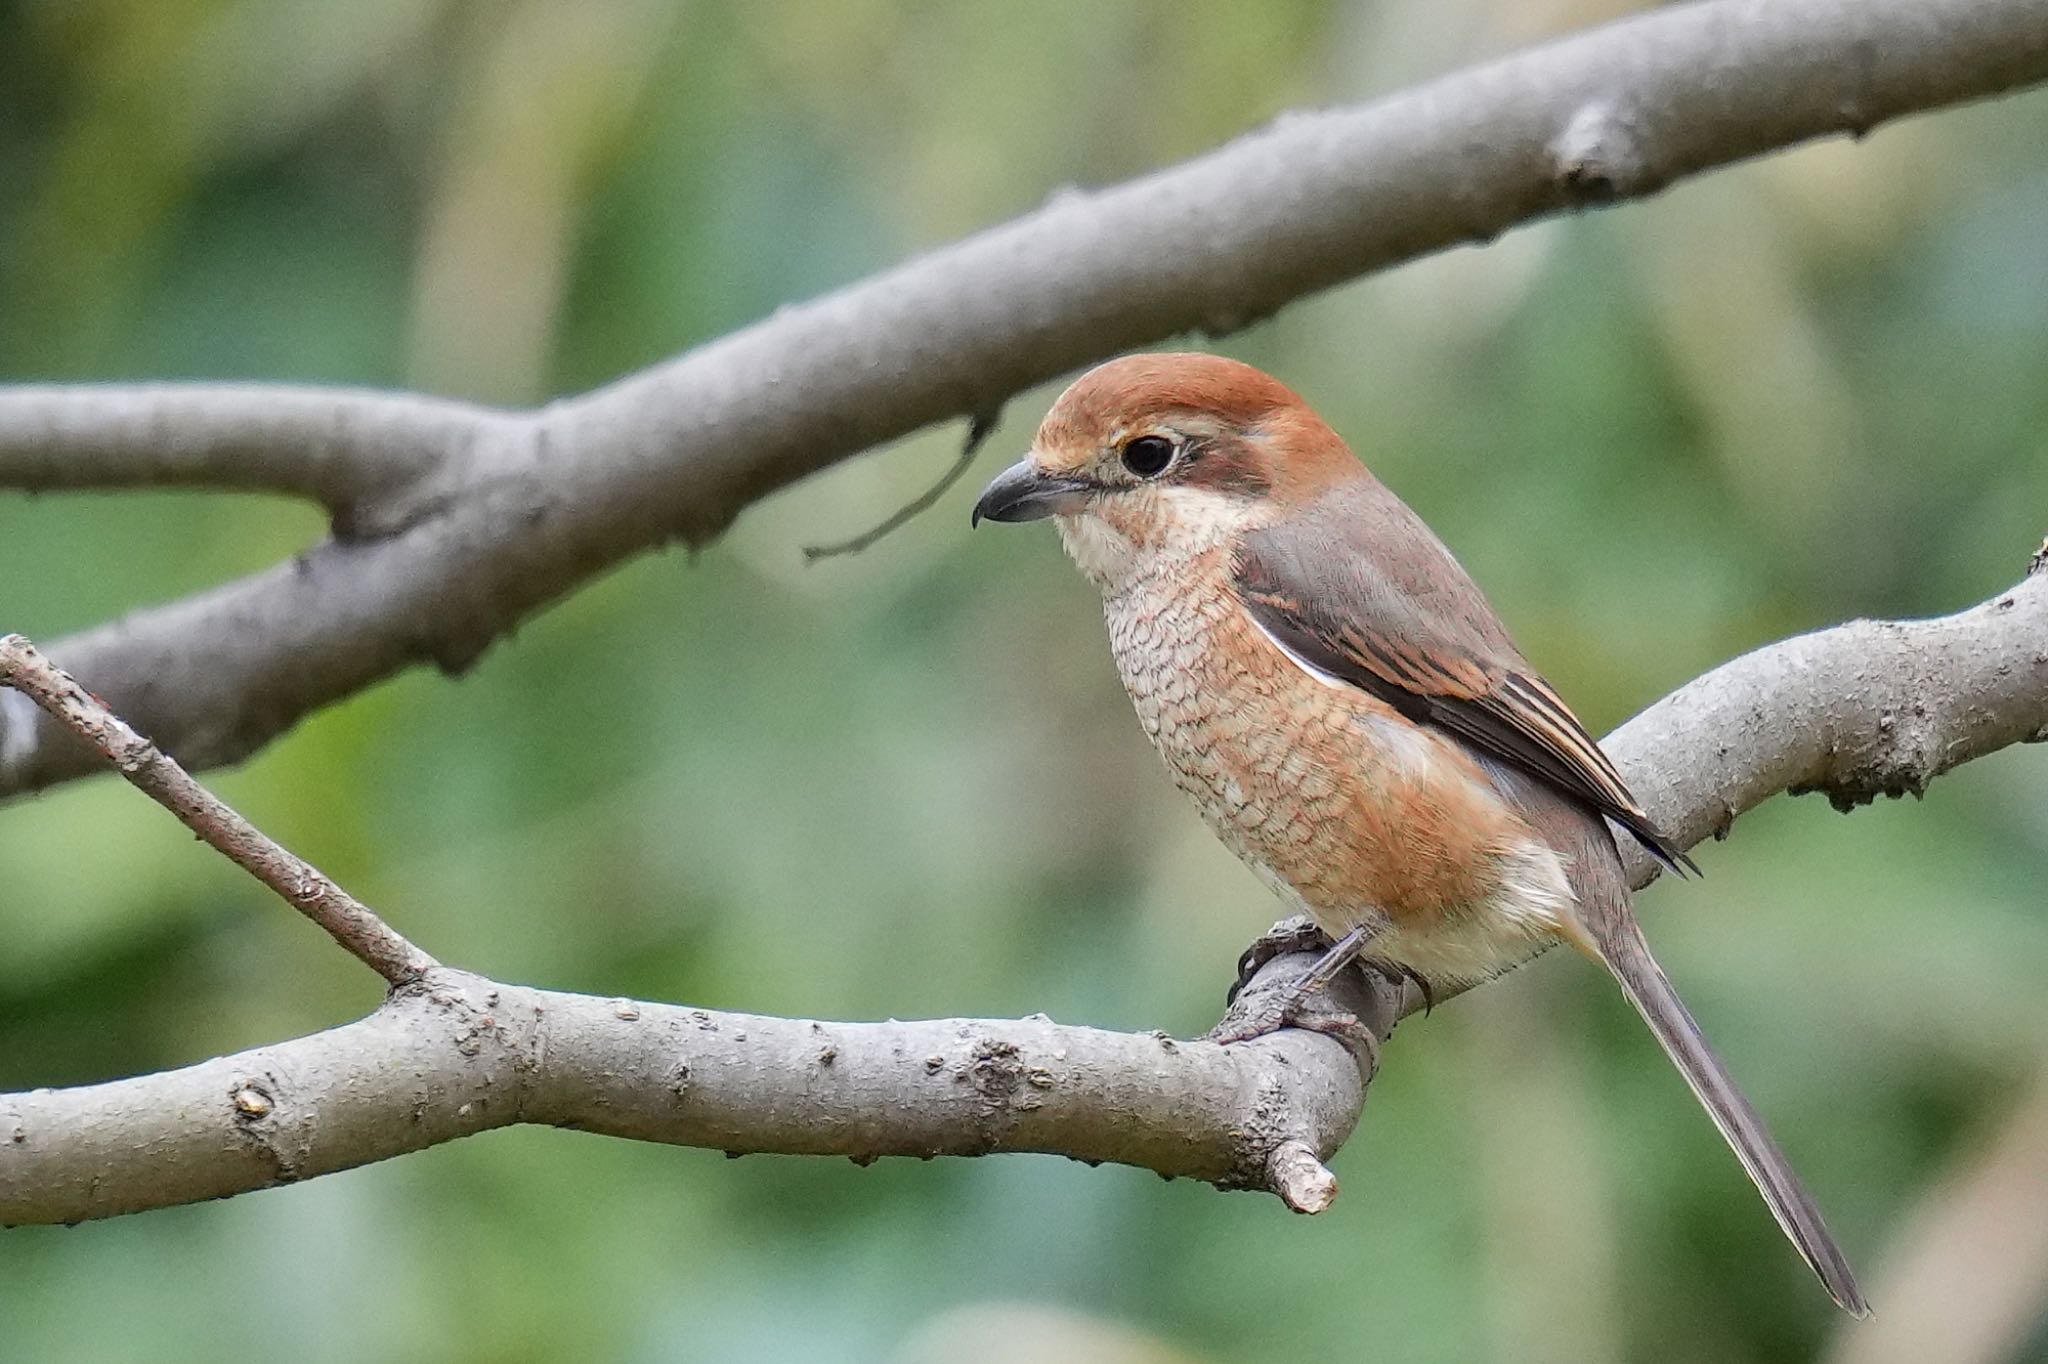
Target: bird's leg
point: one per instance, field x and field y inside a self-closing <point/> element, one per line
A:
<point x="1295" y="934"/>
<point x="1341" y="954"/>
<point x="1301" y="1001"/>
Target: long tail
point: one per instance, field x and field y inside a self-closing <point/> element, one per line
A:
<point x="1622" y="947"/>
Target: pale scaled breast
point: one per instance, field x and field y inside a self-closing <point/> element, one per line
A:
<point x="1259" y="753"/>
<point x="1345" y="810"/>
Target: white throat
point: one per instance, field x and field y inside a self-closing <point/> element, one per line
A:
<point x="1189" y="521"/>
<point x="1097" y="549"/>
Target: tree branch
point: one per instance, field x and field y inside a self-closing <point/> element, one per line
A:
<point x="1863" y="709"/>
<point x="457" y="1054"/>
<point x="453" y="523"/>
<point x="1872" y="708"/>
<point x="342" y="448"/>
<point x="298" y="882"/>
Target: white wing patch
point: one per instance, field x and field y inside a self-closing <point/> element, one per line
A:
<point x="1326" y="678"/>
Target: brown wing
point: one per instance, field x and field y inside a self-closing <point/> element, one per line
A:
<point x="1357" y="587"/>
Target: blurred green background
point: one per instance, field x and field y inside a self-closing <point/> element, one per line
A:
<point x="908" y="784"/>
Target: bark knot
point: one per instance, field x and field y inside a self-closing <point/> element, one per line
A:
<point x="996" y="1068"/>
<point x="1596" y="158"/>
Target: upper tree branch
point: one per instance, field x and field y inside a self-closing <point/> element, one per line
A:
<point x="342" y="448"/>
<point x="453" y="524"/>
<point x="1867" y="707"/>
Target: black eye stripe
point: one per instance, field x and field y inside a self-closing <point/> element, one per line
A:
<point x="1147" y="456"/>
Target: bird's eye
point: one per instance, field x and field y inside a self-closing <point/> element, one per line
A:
<point x="1148" y="456"/>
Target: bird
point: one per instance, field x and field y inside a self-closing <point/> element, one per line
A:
<point x="1349" y="713"/>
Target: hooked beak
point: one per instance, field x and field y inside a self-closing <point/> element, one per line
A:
<point x="1024" y="492"/>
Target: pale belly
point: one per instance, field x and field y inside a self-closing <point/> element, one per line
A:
<point x="1345" y="811"/>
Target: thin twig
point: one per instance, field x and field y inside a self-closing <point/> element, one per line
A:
<point x="978" y="427"/>
<point x="347" y="920"/>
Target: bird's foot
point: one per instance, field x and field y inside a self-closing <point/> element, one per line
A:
<point x="1298" y="1001"/>
<point x="1296" y="934"/>
<point x="1295" y="1003"/>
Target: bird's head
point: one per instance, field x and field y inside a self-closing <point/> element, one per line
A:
<point x="1167" y="455"/>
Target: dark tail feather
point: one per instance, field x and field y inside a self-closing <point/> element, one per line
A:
<point x="1627" y="955"/>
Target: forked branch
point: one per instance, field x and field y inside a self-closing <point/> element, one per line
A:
<point x="1869" y="708"/>
<point x="346" y="919"/>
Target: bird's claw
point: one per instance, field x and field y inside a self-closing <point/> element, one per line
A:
<point x="1399" y="977"/>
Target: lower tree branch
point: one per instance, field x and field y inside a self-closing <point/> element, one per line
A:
<point x="456" y="1054"/>
<point x="1872" y="708"/>
<point x="1860" y="710"/>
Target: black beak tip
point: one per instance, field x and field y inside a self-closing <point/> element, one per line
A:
<point x="1023" y="492"/>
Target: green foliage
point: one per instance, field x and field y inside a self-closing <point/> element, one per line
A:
<point x="907" y="784"/>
